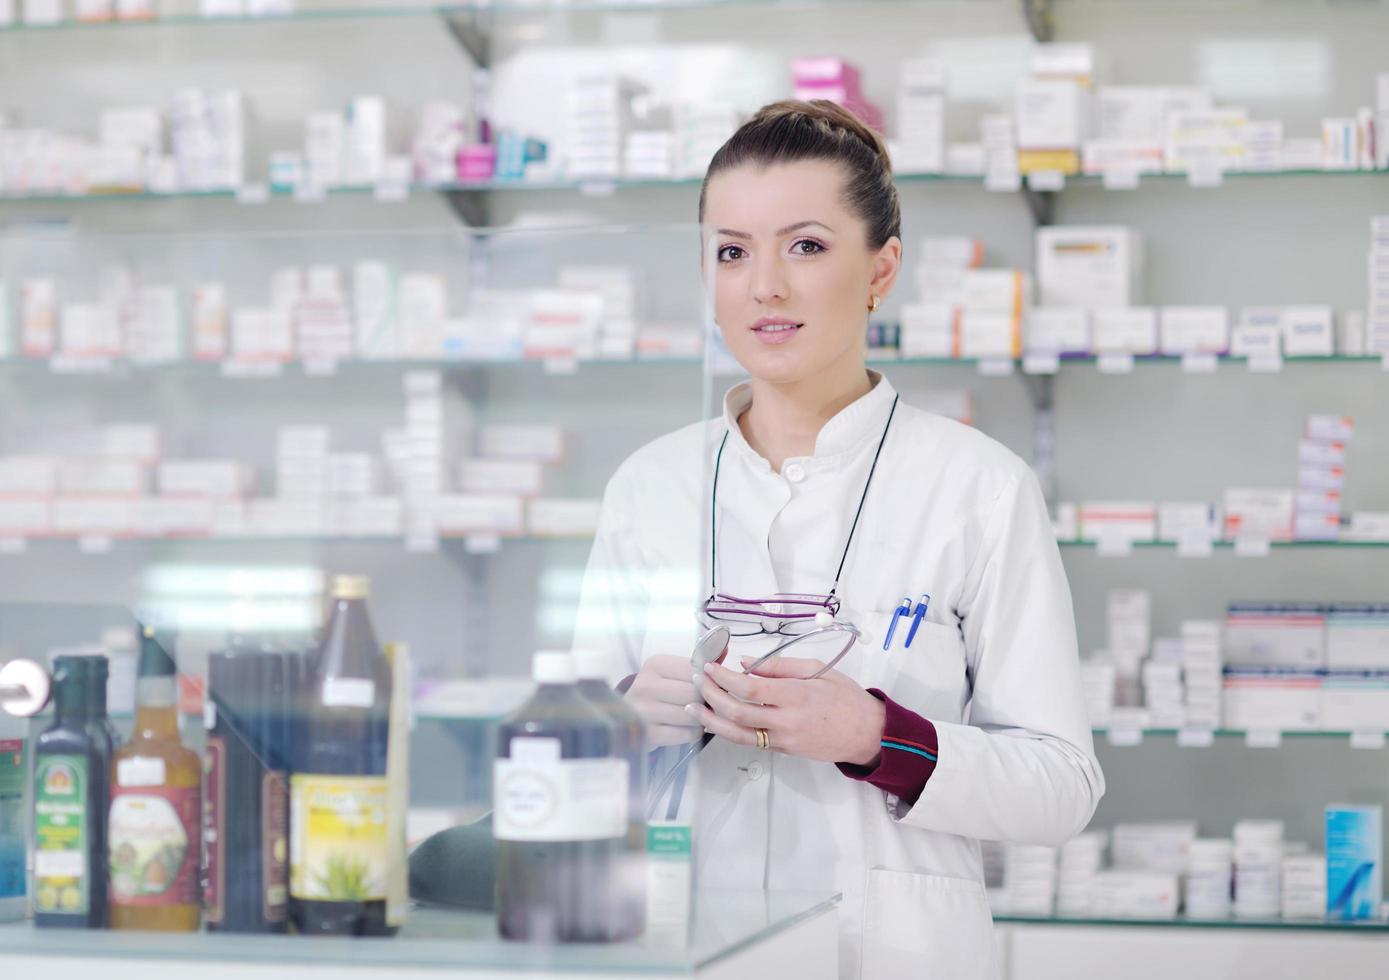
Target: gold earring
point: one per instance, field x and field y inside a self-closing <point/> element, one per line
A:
<point x="873" y="304"/>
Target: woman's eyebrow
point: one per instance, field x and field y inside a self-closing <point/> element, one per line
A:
<point x="730" y="233"/>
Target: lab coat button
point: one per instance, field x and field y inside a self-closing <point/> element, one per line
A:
<point x="795" y="472"/>
<point x="754" y="769"/>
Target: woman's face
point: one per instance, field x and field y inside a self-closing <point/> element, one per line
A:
<point x="793" y="274"/>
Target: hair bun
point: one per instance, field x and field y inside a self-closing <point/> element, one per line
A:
<point x="832" y="118"/>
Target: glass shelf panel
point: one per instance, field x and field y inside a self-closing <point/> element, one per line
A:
<point x="1224" y="733"/>
<point x="725" y="922"/>
<point x="595" y="186"/>
<point x="1181" y="922"/>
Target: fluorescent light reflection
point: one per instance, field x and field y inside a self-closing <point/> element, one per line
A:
<point x="1265" y="69"/>
<point x="242" y="599"/>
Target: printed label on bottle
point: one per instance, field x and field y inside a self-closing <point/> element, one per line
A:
<point x="62" y="877"/>
<point x="154" y="845"/>
<point x="140" y="771"/>
<point x="215" y="827"/>
<point x="539" y="796"/>
<point x="349" y="692"/>
<point x="11" y="818"/>
<point x="274" y="824"/>
<point x="338" y="851"/>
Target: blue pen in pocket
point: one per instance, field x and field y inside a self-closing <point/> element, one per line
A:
<point x="903" y="610"/>
<point x="917" y="616"/>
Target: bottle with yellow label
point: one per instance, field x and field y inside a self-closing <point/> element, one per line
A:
<point x="71" y="758"/>
<point x="155" y="826"/>
<point x="341" y="850"/>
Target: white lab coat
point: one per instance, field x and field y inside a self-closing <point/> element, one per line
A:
<point x="951" y="513"/>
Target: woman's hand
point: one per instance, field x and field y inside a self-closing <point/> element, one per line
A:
<point x="830" y="718"/>
<point x="662" y="688"/>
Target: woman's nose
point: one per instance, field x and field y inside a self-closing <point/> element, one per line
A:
<point x="768" y="281"/>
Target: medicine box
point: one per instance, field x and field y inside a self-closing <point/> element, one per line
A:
<point x="1357" y="636"/>
<point x="1354" y="861"/>
<point x="1194" y="329"/>
<point x="1125" y="330"/>
<point x="1057" y="330"/>
<point x="1276" y="634"/>
<point x="1089" y="267"/>
<point x="1272" y="698"/>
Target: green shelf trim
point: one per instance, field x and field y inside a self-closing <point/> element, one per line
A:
<point x="1297" y="925"/>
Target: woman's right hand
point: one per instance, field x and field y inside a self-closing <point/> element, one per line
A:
<point x="662" y="688"/>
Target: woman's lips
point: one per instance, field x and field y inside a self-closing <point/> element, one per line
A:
<point x="775" y="332"/>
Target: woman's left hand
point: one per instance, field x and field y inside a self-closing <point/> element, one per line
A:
<point x="829" y="719"/>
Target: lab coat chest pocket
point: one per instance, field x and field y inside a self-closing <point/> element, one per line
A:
<point x="921" y="925"/>
<point x="930" y="676"/>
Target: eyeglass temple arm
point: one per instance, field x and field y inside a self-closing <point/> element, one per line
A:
<point x="854" y="632"/>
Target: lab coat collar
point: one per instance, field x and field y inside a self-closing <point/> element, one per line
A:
<point x="847" y="431"/>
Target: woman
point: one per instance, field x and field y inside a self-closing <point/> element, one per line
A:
<point x="960" y="717"/>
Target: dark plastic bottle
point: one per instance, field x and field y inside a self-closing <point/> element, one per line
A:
<point x="72" y="759"/>
<point x="560" y="813"/>
<point x="246" y="810"/>
<point x="627" y="904"/>
<point x="108" y="741"/>
<point x="338" y="879"/>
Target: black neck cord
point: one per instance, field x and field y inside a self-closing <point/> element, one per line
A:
<point x="714" y="505"/>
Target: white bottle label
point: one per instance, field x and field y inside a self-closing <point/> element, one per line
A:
<point x="539" y="796"/>
<point x="140" y="771"/>
<point x="349" y="692"/>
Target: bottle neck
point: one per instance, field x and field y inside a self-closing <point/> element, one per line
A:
<point x="349" y="618"/>
<point x="156" y="714"/>
<point x="97" y="700"/>
<point x="71" y="704"/>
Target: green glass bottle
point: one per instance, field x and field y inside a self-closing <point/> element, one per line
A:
<point x="71" y="779"/>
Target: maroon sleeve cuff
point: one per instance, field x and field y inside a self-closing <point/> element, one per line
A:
<point x="908" y="757"/>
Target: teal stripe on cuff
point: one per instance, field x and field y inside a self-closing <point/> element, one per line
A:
<point x="906" y="748"/>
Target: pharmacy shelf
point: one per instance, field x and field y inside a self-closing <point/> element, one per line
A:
<point x="1234" y="545"/>
<point x="467" y="8"/>
<point x="1197" y="737"/>
<point x="259" y="194"/>
<point x="403" y="11"/>
<point x="1182" y="922"/>
<point x="97" y="543"/>
<point x="105" y="366"/>
<point x="252" y="371"/>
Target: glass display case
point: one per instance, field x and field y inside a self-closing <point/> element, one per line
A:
<point x="217" y="444"/>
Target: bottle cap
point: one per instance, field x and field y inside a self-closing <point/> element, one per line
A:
<point x="553" y="668"/>
<point x="592" y="665"/>
<point x="69" y="678"/>
<point x="154" y="659"/>
<point x="351" y="587"/>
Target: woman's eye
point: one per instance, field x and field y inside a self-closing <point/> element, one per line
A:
<point x="730" y="253"/>
<point x="807" y="247"/>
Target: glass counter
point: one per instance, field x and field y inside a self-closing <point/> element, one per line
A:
<point x="724" y="925"/>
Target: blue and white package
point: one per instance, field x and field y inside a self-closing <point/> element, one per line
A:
<point x="13" y="777"/>
<point x="1354" y="859"/>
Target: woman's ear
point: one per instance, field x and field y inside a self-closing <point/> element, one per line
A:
<point x="886" y="264"/>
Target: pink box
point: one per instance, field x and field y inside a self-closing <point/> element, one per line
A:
<point x="825" y="71"/>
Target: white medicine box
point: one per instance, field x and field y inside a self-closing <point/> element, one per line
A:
<point x="1051" y="113"/>
<point x="1090" y="267"/>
